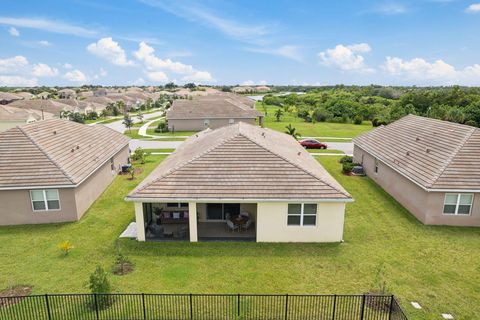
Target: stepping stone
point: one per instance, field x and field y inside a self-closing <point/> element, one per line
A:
<point x="416" y="305"/>
<point x="447" y="316"/>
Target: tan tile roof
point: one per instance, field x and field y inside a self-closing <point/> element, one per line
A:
<point x="7" y="96"/>
<point x="9" y="113"/>
<point x="211" y="107"/>
<point x="55" y="153"/>
<point x="243" y="162"/>
<point x="435" y="154"/>
<point x="51" y="106"/>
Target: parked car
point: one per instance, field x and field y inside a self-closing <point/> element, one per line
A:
<point x="313" y="144"/>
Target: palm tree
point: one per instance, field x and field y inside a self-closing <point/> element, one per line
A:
<point x="278" y="114"/>
<point x="128" y="122"/>
<point x="292" y="131"/>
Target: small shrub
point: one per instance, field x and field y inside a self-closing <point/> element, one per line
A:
<point x="162" y="127"/>
<point x="346" y="159"/>
<point x="139" y="155"/>
<point x="65" y="247"/>
<point x="378" y="122"/>
<point x="347" y="167"/>
<point x="358" y="119"/>
<point x="471" y="123"/>
<point x="99" y="284"/>
<point x="122" y="265"/>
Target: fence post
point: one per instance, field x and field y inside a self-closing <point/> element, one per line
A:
<point x="96" y="305"/>
<point x="334" y="306"/>
<point x="286" y="306"/>
<point x="362" y="311"/>
<point x="238" y="304"/>
<point x="48" y="307"/>
<point x="191" y="307"/>
<point x="390" y="312"/>
<point x="143" y="304"/>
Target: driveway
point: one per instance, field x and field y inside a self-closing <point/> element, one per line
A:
<point x="346" y="147"/>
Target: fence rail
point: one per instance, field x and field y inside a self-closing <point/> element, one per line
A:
<point x="200" y="306"/>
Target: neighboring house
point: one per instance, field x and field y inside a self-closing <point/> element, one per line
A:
<point x="429" y="166"/>
<point x="7" y="98"/>
<point x="11" y="116"/>
<point x="216" y="175"/>
<point x="243" y="89"/>
<point x="25" y="95"/>
<point x="67" y="94"/>
<point x="262" y="89"/>
<point x="43" y="95"/>
<point x="100" y="92"/>
<point x="212" y="111"/>
<point x="53" y="170"/>
<point x="51" y="106"/>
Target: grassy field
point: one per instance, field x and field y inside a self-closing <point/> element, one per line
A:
<point x="319" y="129"/>
<point x="435" y="266"/>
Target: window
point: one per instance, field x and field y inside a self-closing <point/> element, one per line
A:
<point x="376" y="166"/>
<point x="43" y="200"/>
<point x="112" y="164"/>
<point x="177" y="205"/>
<point x="458" y="203"/>
<point x="302" y="214"/>
<point x="231" y="121"/>
<point x="206" y="123"/>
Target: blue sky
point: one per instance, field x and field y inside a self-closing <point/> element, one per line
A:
<point x="143" y="42"/>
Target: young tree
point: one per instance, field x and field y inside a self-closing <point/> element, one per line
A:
<point x="140" y="116"/>
<point x="278" y="114"/>
<point x="265" y="109"/>
<point x="99" y="284"/>
<point x="292" y="131"/>
<point x="128" y="122"/>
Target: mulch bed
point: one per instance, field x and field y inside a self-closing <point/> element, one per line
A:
<point x="123" y="268"/>
<point x="14" y="292"/>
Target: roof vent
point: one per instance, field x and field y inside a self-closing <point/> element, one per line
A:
<point x="72" y="150"/>
<point x="408" y="153"/>
<point x="299" y="153"/>
<point x="427" y="150"/>
<point x="54" y="132"/>
<point x="78" y="147"/>
<point x="417" y="139"/>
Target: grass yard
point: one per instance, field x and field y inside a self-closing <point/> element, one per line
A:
<point x="435" y="266"/>
<point x="306" y="129"/>
<point x="325" y="151"/>
<point x="158" y="150"/>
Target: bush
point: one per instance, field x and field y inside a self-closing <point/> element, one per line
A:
<point x="320" y="115"/>
<point x="65" y="247"/>
<point x="99" y="284"/>
<point x="346" y="159"/>
<point x="162" y="127"/>
<point x="139" y="155"/>
<point x="471" y="123"/>
<point x="377" y="122"/>
<point x="347" y="167"/>
<point x="358" y="119"/>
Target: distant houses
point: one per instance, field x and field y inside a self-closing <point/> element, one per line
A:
<point x="211" y="111"/>
<point x="53" y="170"/>
<point x="429" y="166"/>
<point x="67" y="94"/>
<point x="7" y="97"/>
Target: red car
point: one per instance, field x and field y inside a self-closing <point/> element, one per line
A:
<point x="313" y="144"/>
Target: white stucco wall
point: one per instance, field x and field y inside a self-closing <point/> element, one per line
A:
<point x="272" y="223"/>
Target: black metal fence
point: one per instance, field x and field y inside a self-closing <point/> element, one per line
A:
<point x="200" y="306"/>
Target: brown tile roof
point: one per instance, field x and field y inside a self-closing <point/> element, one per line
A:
<point x="51" y="106"/>
<point x="55" y="153"/>
<point x="241" y="162"/>
<point x="435" y="154"/>
<point x="7" y="96"/>
<point x="9" y="113"/>
<point x="211" y="107"/>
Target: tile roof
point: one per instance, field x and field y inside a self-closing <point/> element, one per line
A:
<point x="9" y="113"/>
<point x="243" y="162"/>
<point x="52" y="106"/>
<point x="55" y="153"/>
<point x="211" y="107"/>
<point x="435" y="154"/>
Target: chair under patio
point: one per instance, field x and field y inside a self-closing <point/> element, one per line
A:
<point x="219" y="231"/>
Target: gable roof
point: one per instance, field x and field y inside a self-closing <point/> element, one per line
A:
<point x="240" y="162"/>
<point x="212" y="107"/>
<point x="55" y="153"/>
<point x="435" y="154"/>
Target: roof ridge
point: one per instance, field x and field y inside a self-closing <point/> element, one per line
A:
<point x="183" y="164"/>
<point x="46" y="154"/>
<point x="454" y="154"/>
<point x="297" y="166"/>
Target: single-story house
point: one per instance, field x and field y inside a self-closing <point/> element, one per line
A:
<point x="212" y="111"/>
<point x="43" y="95"/>
<point x="54" y="107"/>
<point x="100" y="92"/>
<point x="429" y="166"/>
<point x="7" y="97"/>
<point x="11" y="116"/>
<point x="240" y="182"/>
<point x="67" y="94"/>
<point x="53" y="170"/>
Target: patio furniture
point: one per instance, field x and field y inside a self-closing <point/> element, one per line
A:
<point x="245" y="214"/>
<point x="247" y="224"/>
<point x="168" y="234"/>
<point x="232" y="226"/>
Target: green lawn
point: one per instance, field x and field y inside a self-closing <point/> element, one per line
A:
<point x="325" y="151"/>
<point x="159" y="150"/>
<point x="133" y="133"/>
<point x="319" y="129"/>
<point x="436" y="266"/>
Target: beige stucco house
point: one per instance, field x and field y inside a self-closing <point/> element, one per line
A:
<point x="211" y="111"/>
<point x="240" y="182"/>
<point x="429" y="166"/>
<point x="53" y="170"/>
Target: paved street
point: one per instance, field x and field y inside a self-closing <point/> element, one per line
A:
<point x="120" y="127"/>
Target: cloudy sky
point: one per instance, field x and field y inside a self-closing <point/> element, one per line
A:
<point x="142" y="42"/>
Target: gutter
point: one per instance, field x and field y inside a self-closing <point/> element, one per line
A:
<point x="229" y="200"/>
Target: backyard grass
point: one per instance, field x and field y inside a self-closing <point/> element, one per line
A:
<point x="306" y="129"/>
<point x="435" y="266"/>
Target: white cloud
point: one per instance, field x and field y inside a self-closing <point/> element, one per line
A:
<point x="286" y="51"/>
<point x="253" y="83"/>
<point x="48" y="25"/>
<point x="17" y="81"/>
<point x="67" y="65"/>
<point x="13" y="32"/>
<point x="139" y="82"/>
<point x="44" y="43"/>
<point x="157" y="76"/>
<point x="13" y="64"/>
<point x="109" y="50"/>
<point x="438" y="71"/>
<point x="473" y="8"/>
<point x="346" y="57"/>
<point x="75" y="76"/>
<point x="44" y="70"/>
<point x="390" y="8"/>
<point x="103" y="72"/>
<point x="153" y="64"/>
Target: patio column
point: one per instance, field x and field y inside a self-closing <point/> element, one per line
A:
<point x="139" y="221"/>
<point x="192" y="221"/>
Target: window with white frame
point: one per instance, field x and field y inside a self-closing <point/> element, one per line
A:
<point x="43" y="200"/>
<point x="302" y="214"/>
<point x="376" y="166"/>
<point x="458" y="203"/>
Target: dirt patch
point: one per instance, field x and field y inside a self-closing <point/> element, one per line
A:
<point x="12" y="293"/>
<point x="124" y="268"/>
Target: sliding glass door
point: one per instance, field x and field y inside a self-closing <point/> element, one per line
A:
<point x="220" y="211"/>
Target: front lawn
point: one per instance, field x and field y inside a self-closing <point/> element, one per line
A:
<point x="435" y="266"/>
